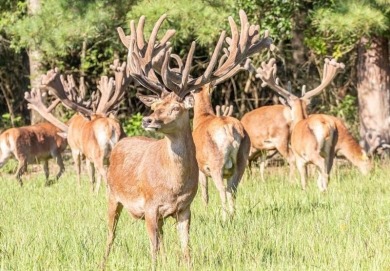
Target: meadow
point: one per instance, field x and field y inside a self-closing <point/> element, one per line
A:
<point x="277" y="226"/>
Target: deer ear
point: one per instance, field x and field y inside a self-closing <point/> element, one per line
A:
<point x="189" y="101"/>
<point x="148" y="100"/>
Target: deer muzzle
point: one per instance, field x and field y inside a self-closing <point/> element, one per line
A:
<point x="151" y="124"/>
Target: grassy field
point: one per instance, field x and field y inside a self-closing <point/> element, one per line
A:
<point x="277" y="227"/>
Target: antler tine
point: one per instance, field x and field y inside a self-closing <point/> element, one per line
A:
<point x="242" y="44"/>
<point x="36" y="103"/>
<point x="54" y="81"/>
<point x="143" y="56"/>
<point x="228" y="110"/>
<point x="331" y="68"/>
<point x="267" y="73"/>
<point x="112" y="91"/>
<point x="218" y="111"/>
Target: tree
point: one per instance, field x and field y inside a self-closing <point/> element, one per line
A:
<point x="363" y="26"/>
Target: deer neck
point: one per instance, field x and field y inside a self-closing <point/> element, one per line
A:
<point x="298" y="112"/>
<point x="203" y="106"/>
<point x="180" y="144"/>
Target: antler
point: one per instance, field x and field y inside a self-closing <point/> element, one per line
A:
<point x="112" y="91"/>
<point x="331" y="68"/>
<point x="65" y="90"/>
<point x="144" y="59"/>
<point x="224" y="110"/>
<point x="36" y="102"/>
<point x="267" y="73"/>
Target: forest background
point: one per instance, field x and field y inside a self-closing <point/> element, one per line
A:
<point x="79" y="37"/>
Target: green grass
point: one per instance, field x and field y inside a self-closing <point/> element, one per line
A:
<point x="277" y="226"/>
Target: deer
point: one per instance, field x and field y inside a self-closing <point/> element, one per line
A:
<point x="156" y="179"/>
<point x="93" y="131"/>
<point x="268" y="134"/>
<point x="28" y="144"/>
<point x="313" y="138"/>
<point x="222" y="148"/>
<point x="268" y="128"/>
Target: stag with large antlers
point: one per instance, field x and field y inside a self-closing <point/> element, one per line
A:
<point x="268" y="128"/>
<point x="313" y="138"/>
<point x="29" y="144"/>
<point x="93" y="131"/>
<point x="155" y="179"/>
<point x="222" y="148"/>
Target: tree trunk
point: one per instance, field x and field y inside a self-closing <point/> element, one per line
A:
<point x="373" y="92"/>
<point x="34" y="56"/>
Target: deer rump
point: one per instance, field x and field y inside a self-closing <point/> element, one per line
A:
<point x="223" y="140"/>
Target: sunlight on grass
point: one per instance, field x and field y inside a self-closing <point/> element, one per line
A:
<point x="277" y="226"/>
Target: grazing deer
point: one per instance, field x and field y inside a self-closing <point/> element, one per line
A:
<point x="30" y="143"/>
<point x="93" y="131"/>
<point x="269" y="135"/>
<point x="313" y="138"/>
<point x="222" y="148"/>
<point x="348" y="147"/>
<point x="268" y="128"/>
<point x="155" y="179"/>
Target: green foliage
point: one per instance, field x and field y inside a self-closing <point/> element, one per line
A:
<point x="133" y="125"/>
<point x="347" y="110"/>
<point x="340" y="25"/>
<point x="192" y="19"/>
<point x="6" y="121"/>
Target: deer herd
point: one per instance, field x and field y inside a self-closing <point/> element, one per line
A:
<point x="155" y="179"/>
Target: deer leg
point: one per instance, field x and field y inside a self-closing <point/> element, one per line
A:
<point x="322" y="181"/>
<point x="114" y="211"/>
<point x="234" y="181"/>
<point x="60" y="164"/>
<point x="4" y="158"/>
<point x="289" y="157"/>
<point x="218" y="181"/>
<point x="263" y="164"/>
<point x="183" y="228"/>
<point x="21" y="169"/>
<point x="301" y="165"/>
<point x="77" y="164"/>
<point x="91" y="173"/>
<point x="204" y="186"/>
<point x="152" y="227"/>
<point x="46" y="170"/>
<point x="160" y="236"/>
<point x="102" y="174"/>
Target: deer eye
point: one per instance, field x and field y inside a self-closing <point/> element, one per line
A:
<point x="176" y="108"/>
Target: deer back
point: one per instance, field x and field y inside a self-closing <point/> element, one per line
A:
<point x="268" y="125"/>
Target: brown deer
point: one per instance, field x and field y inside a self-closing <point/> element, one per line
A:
<point x="155" y="179"/>
<point x="31" y="143"/>
<point x="93" y="131"/>
<point x="313" y="138"/>
<point x="268" y="128"/>
<point x="222" y="148"/>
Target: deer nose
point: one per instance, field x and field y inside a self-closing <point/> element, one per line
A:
<point x="147" y="121"/>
